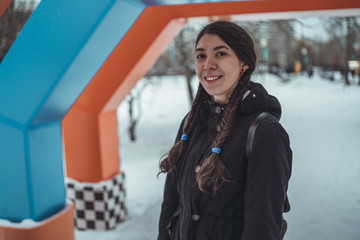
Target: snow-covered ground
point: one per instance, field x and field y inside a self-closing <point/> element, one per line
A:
<point x="323" y="121"/>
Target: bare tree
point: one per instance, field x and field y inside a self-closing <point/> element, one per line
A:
<point x="281" y="39"/>
<point x="345" y="32"/>
<point x="184" y="43"/>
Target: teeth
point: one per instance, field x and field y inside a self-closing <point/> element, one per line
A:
<point x="211" y="78"/>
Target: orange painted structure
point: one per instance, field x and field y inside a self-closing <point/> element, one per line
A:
<point x="90" y="128"/>
<point x="58" y="227"/>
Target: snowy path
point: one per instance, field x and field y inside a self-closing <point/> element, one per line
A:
<point x="323" y="121"/>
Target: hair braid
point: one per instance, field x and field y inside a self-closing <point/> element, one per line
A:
<point x="213" y="172"/>
<point x="179" y="148"/>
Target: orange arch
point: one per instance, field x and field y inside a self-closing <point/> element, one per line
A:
<point x="90" y="128"/>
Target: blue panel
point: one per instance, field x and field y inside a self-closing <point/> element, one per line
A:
<point x="48" y="43"/>
<point x="104" y="39"/>
<point x="45" y="170"/>
<point x="31" y="175"/>
<point x="14" y="201"/>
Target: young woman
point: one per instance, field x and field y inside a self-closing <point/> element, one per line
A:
<point x="213" y="190"/>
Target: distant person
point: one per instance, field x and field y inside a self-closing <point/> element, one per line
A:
<point x="213" y="190"/>
<point x="310" y="71"/>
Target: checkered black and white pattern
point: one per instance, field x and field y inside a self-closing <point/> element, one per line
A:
<point x="98" y="206"/>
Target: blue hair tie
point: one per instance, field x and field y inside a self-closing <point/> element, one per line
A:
<point x="184" y="137"/>
<point x="216" y="150"/>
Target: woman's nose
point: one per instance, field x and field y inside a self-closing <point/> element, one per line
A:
<point x="209" y="64"/>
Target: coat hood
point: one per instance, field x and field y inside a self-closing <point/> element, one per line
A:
<point x="257" y="99"/>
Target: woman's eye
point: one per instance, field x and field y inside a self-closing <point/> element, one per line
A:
<point x="199" y="56"/>
<point x="221" y="54"/>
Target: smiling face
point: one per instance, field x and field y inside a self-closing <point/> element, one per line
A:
<point x="217" y="67"/>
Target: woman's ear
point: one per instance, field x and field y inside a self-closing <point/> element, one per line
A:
<point x="245" y="67"/>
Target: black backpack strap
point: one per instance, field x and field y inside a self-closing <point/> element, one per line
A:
<point x="250" y="142"/>
<point x="252" y="131"/>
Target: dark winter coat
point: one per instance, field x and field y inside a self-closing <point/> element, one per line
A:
<point x="250" y="207"/>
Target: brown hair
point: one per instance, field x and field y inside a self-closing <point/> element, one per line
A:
<point x="213" y="172"/>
